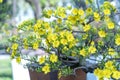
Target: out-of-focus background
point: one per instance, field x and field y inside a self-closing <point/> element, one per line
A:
<point x="13" y="12"/>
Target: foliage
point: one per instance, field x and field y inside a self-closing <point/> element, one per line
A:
<point x="73" y="32"/>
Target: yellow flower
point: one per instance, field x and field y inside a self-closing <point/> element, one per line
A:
<point x="1" y="1"/>
<point x="83" y="52"/>
<point x="89" y="11"/>
<point x="106" y="11"/>
<point x="53" y="58"/>
<point x="63" y="15"/>
<point x="99" y="73"/>
<point x="52" y="37"/>
<point x="59" y="20"/>
<point x="65" y="48"/>
<point x="63" y="41"/>
<point x="46" y="25"/>
<point x="91" y="49"/>
<point x="70" y="37"/>
<point x="110" y="25"/>
<point x="117" y="41"/>
<point x="56" y="44"/>
<point x="96" y="16"/>
<point x="36" y="27"/>
<point x="14" y="46"/>
<point x="75" y="11"/>
<point x="35" y="45"/>
<point x="18" y="59"/>
<point x="41" y="60"/>
<point x="49" y="12"/>
<point x="86" y="28"/>
<point x="107" y="18"/>
<point x="111" y="51"/>
<point x="116" y="75"/>
<point x="101" y="33"/>
<point x="73" y="54"/>
<point x="81" y="12"/>
<point x="92" y="43"/>
<point x="109" y="65"/>
<point x="46" y="69"/>
<point x="107" y="73"/>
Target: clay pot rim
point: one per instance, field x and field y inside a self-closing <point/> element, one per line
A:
<point x="79" y="68"/>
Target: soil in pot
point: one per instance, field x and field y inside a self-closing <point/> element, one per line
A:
<point x="41" y="76"/>
<point x="80" y="74"/>
<point x="69" y="77"/>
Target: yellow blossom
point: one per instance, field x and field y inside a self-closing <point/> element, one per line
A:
<point x="36" y="27"/>
<point x="107" y="18"/>
<point x="59" y="20"/>
<point x="63" y="41"/>
<point x="111" y="51"/>
<point x="49" y="12"/>
<point x="35" y="45"/>
<point x="107" y="73"/>
<point x="73" y="54"/>
<point x="46" y="69"/>
<point x="83" y="52"/>
<point x="41" y="60"/>
<point x="18" y="59"/>
<point x="92" y="49"/>
<point x="70" y="37"/>
<point x="101" y="33"/>
<point x="46" y="25"/>
<point x="81" y="12"/>
<point x="1" y="1"/>
<point x="96" y="16"/>
<point x="116" y="75"/>
<point x="106" y="11"/>
<point x="117" y="41"/>
<point x="99" y="73"/>
<point x="110" y="25"/>
<point x="53" y="58"/>
<point x="89" y="11"/>
<point x="75" y="11"/>
<point x="14" y="46"/>
<point x="92" y="43"/>
<point x="86" y="28"/>
<point x="56" y="44"/>
<point x="65" y="48"/>
<point x="109" y="65"/>
<point x="52" y="37"/>
<point x="63" y="15"/>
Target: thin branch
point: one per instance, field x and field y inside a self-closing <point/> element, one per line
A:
<point x="97" y="2"/>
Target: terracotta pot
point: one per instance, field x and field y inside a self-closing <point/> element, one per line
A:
<point x="80" y="74"/>
<point x="69" y="77"/>
<point x="41" y="76"/>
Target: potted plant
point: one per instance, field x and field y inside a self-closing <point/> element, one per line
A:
<point x="67" y="41"/>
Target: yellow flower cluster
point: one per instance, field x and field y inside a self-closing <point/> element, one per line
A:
<point x="42" y="60"/>
<point x="117" y="40"/>
<point x="90" y="50"/>
<point x="108" y="72"/>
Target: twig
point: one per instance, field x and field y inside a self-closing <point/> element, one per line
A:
<point x="97" y="2"/>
